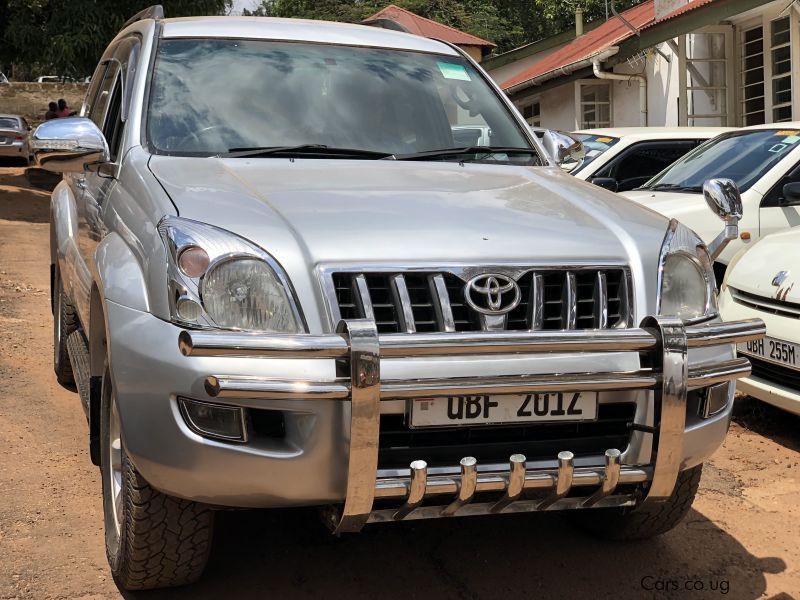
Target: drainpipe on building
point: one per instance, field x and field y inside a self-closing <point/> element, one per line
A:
<point x="600" y="74"/>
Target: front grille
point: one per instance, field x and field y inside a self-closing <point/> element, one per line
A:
<point x="399" y="445"/>
<point x="775" y="373"/>
<point x="408" y="302"/>
<point x="768" y="305"/>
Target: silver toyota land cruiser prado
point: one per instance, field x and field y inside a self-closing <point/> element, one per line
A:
<point x="313" y="264"/>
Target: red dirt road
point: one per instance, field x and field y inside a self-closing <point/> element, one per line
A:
<point x="741" y="540"/>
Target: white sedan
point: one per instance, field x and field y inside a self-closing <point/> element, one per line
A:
<point x="764" y="283"/>
<point x="761" y="160"/>
<point x="623" y="158"/>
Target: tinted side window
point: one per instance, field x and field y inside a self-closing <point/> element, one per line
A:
<point x="775" y="196"/>
<point x="642" y="161"/>
<point x="91" y="93"/>
<point x="97" y="112"/>
<point x="112" y="127"/>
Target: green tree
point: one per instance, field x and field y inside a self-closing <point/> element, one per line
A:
<point x="67" y="37"/>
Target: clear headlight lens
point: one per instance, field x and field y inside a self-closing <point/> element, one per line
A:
<point x="218" y="279"/>
<point x="245" y="293"/>
<point x="687" y="278"/>
<point x="683" y="288"/>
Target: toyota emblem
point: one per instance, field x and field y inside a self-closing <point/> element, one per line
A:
<point x="492" y="294"/>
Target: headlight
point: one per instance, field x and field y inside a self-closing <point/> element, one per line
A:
<point x="219" y="280"/>
<point x="686" y="278"/>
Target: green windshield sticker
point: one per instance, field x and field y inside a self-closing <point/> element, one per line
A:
<point x="792" y="139"/>
<point x="453" y="71"/>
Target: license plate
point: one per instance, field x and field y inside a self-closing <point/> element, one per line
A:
<point x="774" y="351"/>
<point x="5" y="140"/>
<point x="485" y="410"/>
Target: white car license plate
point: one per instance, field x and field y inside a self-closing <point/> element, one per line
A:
<point x="484" y="410"/>
<point x="774" y="351"/>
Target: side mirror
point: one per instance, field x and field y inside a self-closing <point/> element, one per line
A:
<point x="70" y="145"/>
<point x="791" y="194"/>
<point x="563" y="149"/>
<point x="725" y="201"/>
<point x="608" y="183"/>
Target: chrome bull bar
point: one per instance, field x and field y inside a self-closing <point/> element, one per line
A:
<point x="358" y="348"/>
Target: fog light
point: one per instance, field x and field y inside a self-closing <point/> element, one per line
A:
<point x="188" y="309"/>
<point x="714" y="400"/>
<point x="214" y="420"/>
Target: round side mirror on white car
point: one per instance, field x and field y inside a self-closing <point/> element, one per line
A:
<point x="725" y="201"/>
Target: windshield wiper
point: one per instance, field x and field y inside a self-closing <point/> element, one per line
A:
<point x="674" y="187"/>
<point x="485" y="150"/>
<point x="303" y="150"/>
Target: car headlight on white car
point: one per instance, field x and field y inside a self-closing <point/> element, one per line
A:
<point x="685" y="276"/>
<point x="220" y="280"/>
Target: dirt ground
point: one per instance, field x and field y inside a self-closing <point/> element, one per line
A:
<point x="741" y="540"/>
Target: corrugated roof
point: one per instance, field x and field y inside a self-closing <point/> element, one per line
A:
<point x="609" y="34"/>
<point x="589" y="44"/>
<point x="413" y="23"/>
<point x="679" y="11"/>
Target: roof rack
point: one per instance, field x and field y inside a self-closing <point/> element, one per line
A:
<point x="151" y="12"/>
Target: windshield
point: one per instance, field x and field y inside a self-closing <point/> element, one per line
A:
<point x="595" y="145"/>
<point x="9" y="123"/>
<point x="744" y="156"/>
<point x="214" y="97"/>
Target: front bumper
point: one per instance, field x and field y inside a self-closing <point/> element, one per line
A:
<point x="358" y="386"/>
<point x="781" y="327"/>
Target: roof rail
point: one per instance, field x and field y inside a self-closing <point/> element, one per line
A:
<point x="151" y="12"/>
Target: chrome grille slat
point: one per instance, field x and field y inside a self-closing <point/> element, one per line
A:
<point x="537" y="302"/>
<point x="441" y="304"/>
<point x="362" y="296"/>
<point x="601" y="303"/>
<point x="569" y="302"/>
<point x="417" y="301"/>
<point x="403" y="301"/>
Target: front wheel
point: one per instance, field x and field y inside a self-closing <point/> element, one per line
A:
<point x="152" y="540"/>
<point x="65" y="321"/>
<point x="646" y="521"/>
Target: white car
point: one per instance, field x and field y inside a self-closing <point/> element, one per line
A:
<point x="764" y="282"/>
<point x="761" y="160"/>
<point x="624" y="158"/>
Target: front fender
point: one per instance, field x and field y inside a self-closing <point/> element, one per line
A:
<point x="64" y="237"/>
<point x="119" y="275"/>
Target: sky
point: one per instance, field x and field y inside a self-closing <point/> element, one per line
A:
<point x="238" y="5"/>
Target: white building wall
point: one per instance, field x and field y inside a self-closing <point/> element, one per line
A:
<point x="558" y="107"/>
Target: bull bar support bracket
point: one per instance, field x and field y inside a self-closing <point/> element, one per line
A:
<point x="358" y="348"/>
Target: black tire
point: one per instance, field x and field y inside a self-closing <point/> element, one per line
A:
<point x="65" y="321"/>
<point x="161" y="541"/>
<point x="646" y="521"/>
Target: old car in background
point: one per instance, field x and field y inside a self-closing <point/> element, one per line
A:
<point x="14" y="138"/>
<point x="761" y="160"/>
<point x="3" y="78"/>
<point x="764" y="282"/>
<point x="280" y="279"/>
<point x="624" y="158"/>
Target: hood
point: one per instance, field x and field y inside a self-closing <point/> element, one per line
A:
<point x="675" y="205"/>
<point x="772" y="259"/>
<point x="338" y="212"/>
